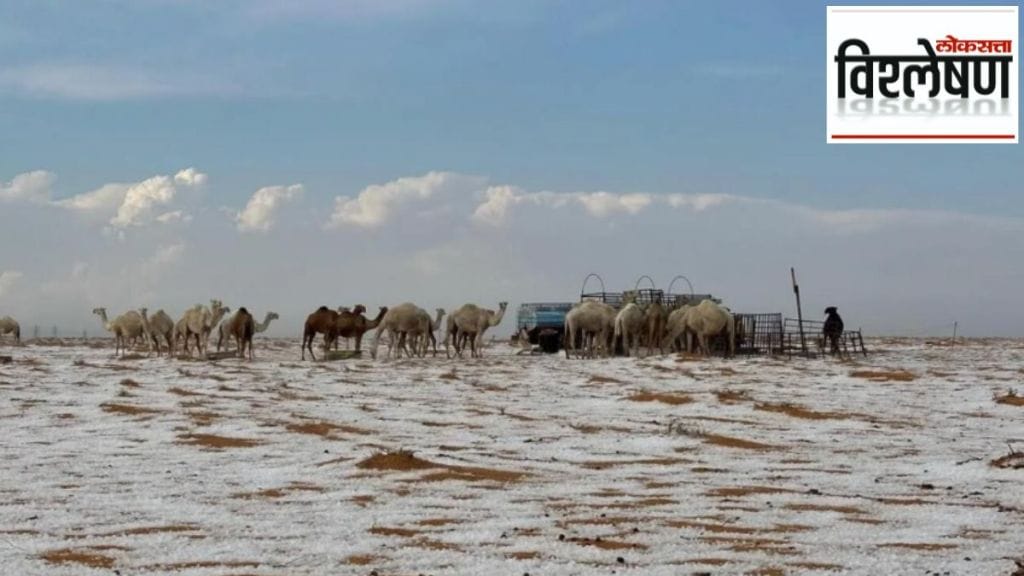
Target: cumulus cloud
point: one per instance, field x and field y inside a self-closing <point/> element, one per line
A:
<point x="499" y="202"/>
<point x="8" y="278"/>
<point x="190" y="177"/>
<point x="141" y="199"/>
<point x="104" y="200"/>
<point x="135" y="204"/>
<point x="259" y="213"/>
<point x="378" y="203"/>
<point x="602" y="204"/>
<point x="28" y="187"/>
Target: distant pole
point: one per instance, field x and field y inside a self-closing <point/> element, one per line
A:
<point x="954" y="331"/>
<point x="799" y="312"/>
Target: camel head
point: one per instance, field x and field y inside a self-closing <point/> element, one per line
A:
<point x="143" y="312"/>
<point x="359" y="309"/>
<point x="99" y="311"/>
<point x="272" y="316"/>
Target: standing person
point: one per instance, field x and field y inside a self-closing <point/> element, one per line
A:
<point x="833" y="329"/>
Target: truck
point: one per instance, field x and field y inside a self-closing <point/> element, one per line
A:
<point x="543" y="323"/>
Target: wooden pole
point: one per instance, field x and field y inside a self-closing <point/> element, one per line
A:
<point x="799" y="312"/>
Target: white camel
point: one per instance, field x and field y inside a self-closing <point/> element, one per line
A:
<point x="9" y="325"/>
<point x="199" y="322"/>
<point x="423" y="337"/>
<point x="402" y="319"/>
<point x="127" y="326"/>
<point x="224" y="334"/>
<point x="593" y="322"/>
<point x="707" y="320"/>
<point x="157" y="327"/>
<point x="473" y="321"/>
<point x="676" y="328"/>
<point x="629" y="325"/>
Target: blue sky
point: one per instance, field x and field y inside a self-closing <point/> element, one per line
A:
<point x="571" y="97"/>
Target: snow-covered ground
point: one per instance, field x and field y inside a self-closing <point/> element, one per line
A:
<point x="512" y="464"/>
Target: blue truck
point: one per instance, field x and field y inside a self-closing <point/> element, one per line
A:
<point x="543" y="323"/>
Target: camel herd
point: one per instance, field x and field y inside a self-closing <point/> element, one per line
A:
<point x="410" y="329"/>
<point x="196" y="323"/>
<point x="593" y="328"/>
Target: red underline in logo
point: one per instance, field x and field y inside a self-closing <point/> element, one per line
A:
<point x="923" y="136"/>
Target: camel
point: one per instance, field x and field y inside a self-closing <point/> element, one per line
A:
<point x="124" y="327"/>
<point x="591" y="320"/>
<point x="425" y="331"/>
<point x="474" y="321"/>
<point x="242" y="327"/>
<point x="357" y="310"/>
<point x="676" y="328"/>
<point x="452" y="335"/>
<point x="9" y="325"/>
<point x="181" y="329"/>
<point x="629" y="325"/>
<point x="159" y="326"/>
<point x="655" y="318"/>
<point x="403" y="319"/>
<point x="708" y="319"/>
<point x="224" y="329"/>
<point x="322" y="321"/>
<point x="199" y="322"/>
<point x="353" y="324"/>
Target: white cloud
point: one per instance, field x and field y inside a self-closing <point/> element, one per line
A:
<point x="140" y="199"/>
<point x="135" y="204"/>
<point x="500" y="200"/>
<point x="175" y="216"/>
<point x="28" y="187"/>
<point x="103" y="83"/>
<point x="190" y="177"/>
<point x="104" y="200"/>
<point x="698" y="202"/>
<point x="603" y="204"/>
<point x="8" y="278"/>
<point x="378" y="203"/>
<point x="259" y="213"/>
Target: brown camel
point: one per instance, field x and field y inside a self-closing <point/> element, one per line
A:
<point x="656" y="317"/>
<point x="323" y="321"/>
<point x="242" y="327"/>
<point x="353" y="324"/>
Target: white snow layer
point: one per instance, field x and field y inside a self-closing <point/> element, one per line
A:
<point x="657" y="466"/>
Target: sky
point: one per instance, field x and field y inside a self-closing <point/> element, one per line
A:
<point x="287" y="155"/>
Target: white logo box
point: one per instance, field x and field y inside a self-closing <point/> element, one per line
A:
<point x="944" y="118"/>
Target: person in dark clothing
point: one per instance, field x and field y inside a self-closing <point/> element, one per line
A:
<point x="833" y="329"/>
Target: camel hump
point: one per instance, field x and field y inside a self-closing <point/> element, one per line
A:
<point x="242" y="310"/>
<point x="322" y="309"/>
